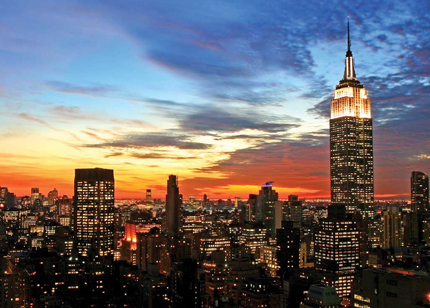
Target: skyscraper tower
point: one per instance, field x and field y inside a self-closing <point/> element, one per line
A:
<point x="351" y="142"/>
<point x="94" y="210"/>
<point x="265" y="207"/>
<point x="148" y="198"/>
<point x="391" y="235"/>
<point x="172" y="205"/>
<point x="419" y="191"/>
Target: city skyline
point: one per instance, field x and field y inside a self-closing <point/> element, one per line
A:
<point x="226" y="96"/>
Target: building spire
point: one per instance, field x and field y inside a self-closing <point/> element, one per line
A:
<point x="349" y="73"/>
<point x="349" y="39"/>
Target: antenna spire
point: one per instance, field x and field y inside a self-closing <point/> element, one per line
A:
<point x="349" y="39"/>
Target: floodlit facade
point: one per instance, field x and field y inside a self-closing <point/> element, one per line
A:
<point x="351" y="143"/>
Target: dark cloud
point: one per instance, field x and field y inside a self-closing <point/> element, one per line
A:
<point x="209" y="119"/>
<point x="321" y="109"/>
<point x="147" y="140"/>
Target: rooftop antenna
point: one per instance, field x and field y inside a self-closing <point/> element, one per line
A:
<point x="349" y="39"/>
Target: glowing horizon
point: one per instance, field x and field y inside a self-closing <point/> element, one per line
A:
<point x="225" y="95"/>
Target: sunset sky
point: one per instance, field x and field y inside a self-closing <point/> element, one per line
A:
<point x="225" y="94"/>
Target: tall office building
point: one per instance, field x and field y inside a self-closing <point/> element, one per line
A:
<point x="337" y="245"/>
<point x="172" y="205"/>
<point x="419" y="191"/>
<point x="288" y="241"/>
<point x="351" y="142"/>
<point x="391" y="235"/>
<point x="94" y="210"/>
<point x="265" y="212"/>
<point x="337" y="253"/>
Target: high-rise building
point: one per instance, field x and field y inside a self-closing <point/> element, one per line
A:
<point x="288" y="241"/>
<point x="52" y="196"/>
<point x="265" y="212"/>
<point x="351" y="142"/>
<point x="35" y="195"/>
<point x="148" y="198"/>
<point x="337" y="253"/>
<point x="3" y="196"/>
<point x="94" y="210"/>
<point x="172" y="205"/>
<point x="391" y="235"/>
<point x="337" y="241"/>
<point x="419" y="191"/>
<point x="412" y="229"/>
<point x="293" y="210"/>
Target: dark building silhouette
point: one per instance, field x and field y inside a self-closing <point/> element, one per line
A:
<point x="265" y="208"/>
<point x="419" y="191"/>
<point x="94" y="210"/>
<point x="412" y="229"/>
<point x="185" y="284"/>
<point x="172" y="205"/>
<point x="351" y="142"/>
<point x="288" y="241"/>
<point x="252" y="204"/>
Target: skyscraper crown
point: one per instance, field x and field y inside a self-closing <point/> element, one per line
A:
<point x="349" y="73"/>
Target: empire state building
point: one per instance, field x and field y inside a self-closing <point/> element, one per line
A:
<point x="351" y="143"/>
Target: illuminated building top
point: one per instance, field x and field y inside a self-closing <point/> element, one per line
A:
<point x="350" y="99"/>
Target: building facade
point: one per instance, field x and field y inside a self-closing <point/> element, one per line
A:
<point x="419" y="191"/>
<point x="337" y="253"/>
<point x="94" y="210"/>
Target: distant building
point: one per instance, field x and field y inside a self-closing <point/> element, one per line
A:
<point x="148" y="197"/>
<point x="265" y="209"/>
<point x="419" y="191"/>
<point x="3" y="196"/>
<point x="293" y="210"/>
<point x="52" y="196"/>
<point x="94" y="210"/>
<point x="35" y="195"/>
<point x="391" y="235"/>
<point x="173" y="203"/>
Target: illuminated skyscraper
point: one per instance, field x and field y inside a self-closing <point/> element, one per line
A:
<point x="419" y="191"/>
<point x="94" y="210"/>
<point x="172" y="205"/>
<point x="337" y="245"/>
<point x="337" y="253"/>
<point x="351" y="142"/>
